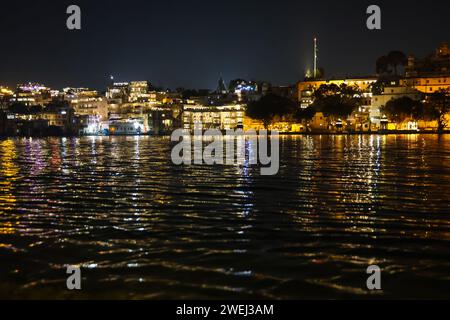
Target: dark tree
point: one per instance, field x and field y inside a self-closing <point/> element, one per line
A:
<point x="35" y="109"/>
<point x="377" y="88"/>
<point x="397" y="59"/>
<point x="326" y="90"/>
<point x="437" y="107"/>
<point x="382" y="65"/>
<point x="18" y="108"/>
<point x="270" y="106"/>
<point x="337" y="101"/>
<point x="58" y="104"/>
<point x="398" y="110"/>
<point x="305" y="114"/>
<point x="189" y="93"/>
<point x="390" y="63"/>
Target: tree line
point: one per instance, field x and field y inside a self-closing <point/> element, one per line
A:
<point x="433" y="108"/>
<point x="339" y="102"/>
<point x="336" y="102"/>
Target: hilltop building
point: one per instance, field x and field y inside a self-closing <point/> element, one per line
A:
<point x="5" y="97"/>
<point x="86" y="102"/>
<point x="431" y="73"/>
<point x="305" y="89"/>
<point x="390" y="93"/>
<point x="32" y="94"/>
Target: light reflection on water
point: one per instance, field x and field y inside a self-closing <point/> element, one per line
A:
<point x="144" y="228"/>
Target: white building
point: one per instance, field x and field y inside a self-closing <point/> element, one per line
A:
<point x="87" y="102"/>
<point x="390" y="93"/>
<point x="229" y="117"/>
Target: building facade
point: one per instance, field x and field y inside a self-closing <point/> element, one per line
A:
<point x="390" y="93"/>
<point x="306" y="88"/>
<point x="429" y="74"/>
<point x="227" y="117"/>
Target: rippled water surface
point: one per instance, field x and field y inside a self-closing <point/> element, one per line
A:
<point x="143" y="228"/>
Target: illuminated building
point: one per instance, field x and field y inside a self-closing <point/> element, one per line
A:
<point x="152" y="120"/>
<point x="244" y="90"/>
<point x="86" y="102"/>
<point x="390" y="93"/>
<point x="71" y="93"/>
<point x="5" y="97"/>
<point x="227" y="117"/>
<point x="306" y="97"/>
<point x="255" y="124"/>
<point x="118" y="92"/>
<point x="56" y="94"/>
<point x="430" y="74"/>
<point x="306" y="89"/>
<point x="319" y="122"/>
<point x="138" y="91"/>
<point x="89" y="108"/>
<point x="123" y="92"/>
<point x="134" y="126"/>
<point x="428" y="84"/>
<point x="88" y="124"/>
<point x="161" y="120"/>
<point x="61" y="117"/>
<point x="31" y="94"/>
<point x="5" y="92"/>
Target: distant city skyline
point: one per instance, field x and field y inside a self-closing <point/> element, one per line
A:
<point x="192" y="44"/>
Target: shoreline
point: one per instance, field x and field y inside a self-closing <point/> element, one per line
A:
<point x="383" y="133"/>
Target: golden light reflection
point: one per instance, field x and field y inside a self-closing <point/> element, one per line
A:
<point x="9" y="173"/>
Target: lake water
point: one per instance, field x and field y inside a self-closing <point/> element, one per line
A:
<point x="144" y="228"/>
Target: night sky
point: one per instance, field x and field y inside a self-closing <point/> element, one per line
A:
<point x="192" y="43"/>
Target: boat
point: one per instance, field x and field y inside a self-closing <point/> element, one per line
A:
<point x="128" y="127"/>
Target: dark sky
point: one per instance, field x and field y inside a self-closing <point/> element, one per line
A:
<point x="191" y="43"/>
